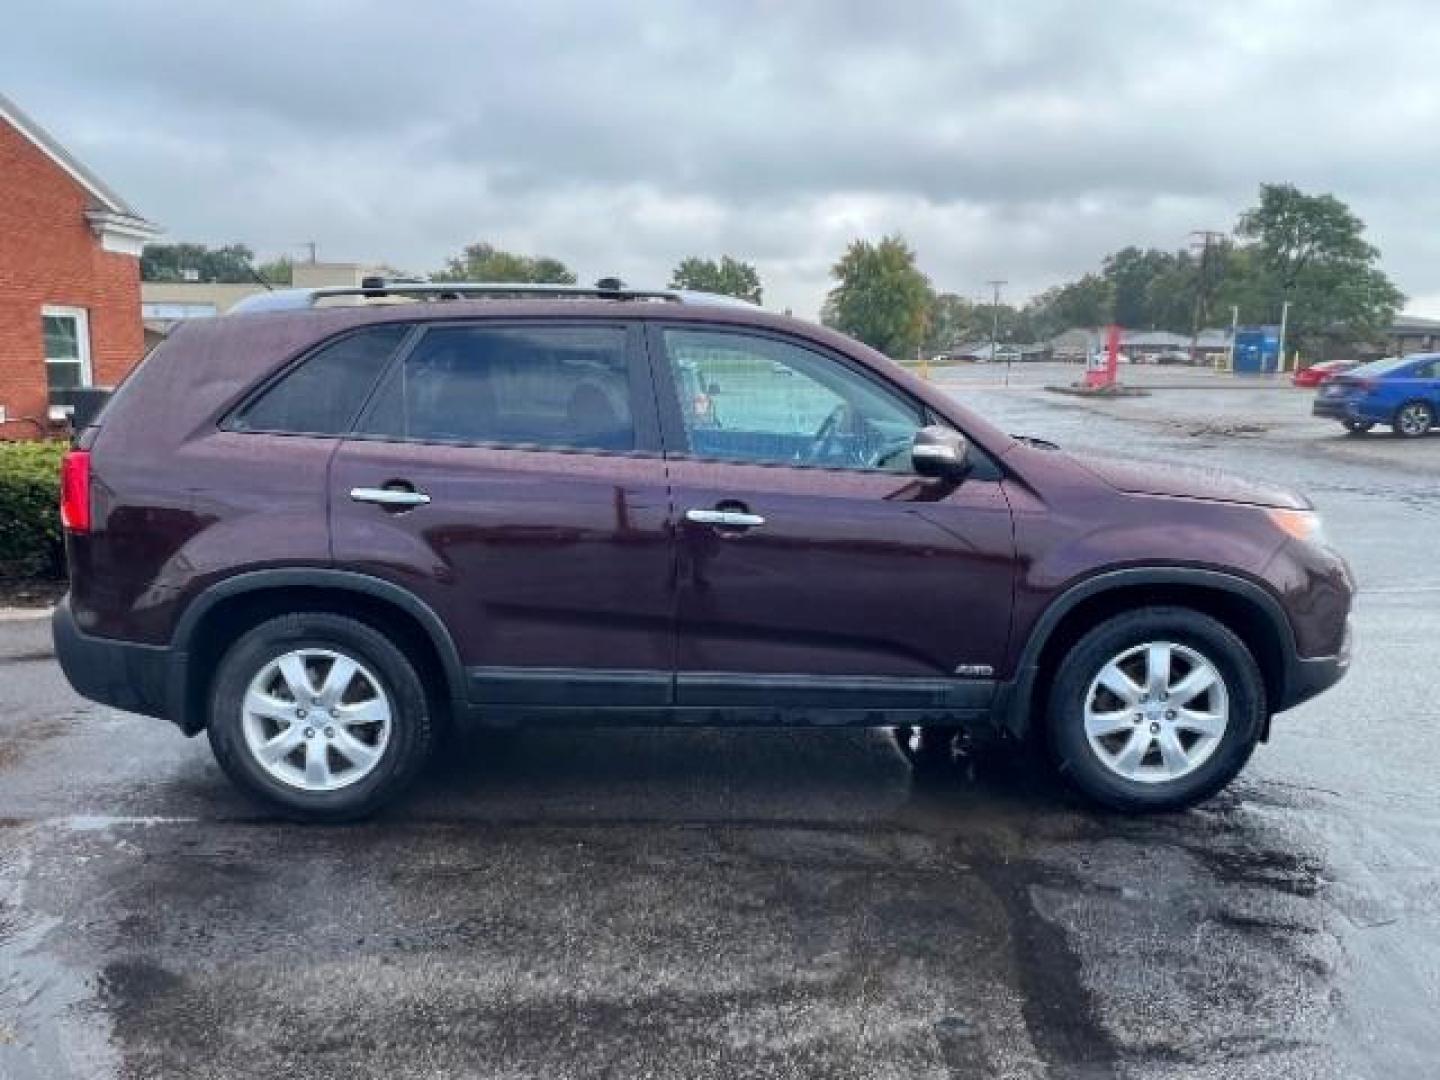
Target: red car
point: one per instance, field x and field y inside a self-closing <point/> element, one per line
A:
<point x="1323" y="372"/>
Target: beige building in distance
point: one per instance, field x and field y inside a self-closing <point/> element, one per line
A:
<point x="164" y="303"/>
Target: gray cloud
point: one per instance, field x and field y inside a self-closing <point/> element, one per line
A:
<point x="1021" y="140"/>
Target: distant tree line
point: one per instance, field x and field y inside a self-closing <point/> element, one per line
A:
<point x="1309" y="250"/>
<point x="232" y="264"/>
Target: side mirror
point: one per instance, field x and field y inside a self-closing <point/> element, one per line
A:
<point x="939" y="452"/>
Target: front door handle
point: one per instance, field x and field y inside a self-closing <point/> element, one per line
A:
<point x="390" y="497"/>
<point x="725" y="519"/>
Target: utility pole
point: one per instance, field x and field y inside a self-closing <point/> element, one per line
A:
<point x="310" y="246"/>
<point x="995" y="284"/>
<point x="1204" y="238"/>
<point x="1234" y="329"/>
<point x="1284" y="324"/>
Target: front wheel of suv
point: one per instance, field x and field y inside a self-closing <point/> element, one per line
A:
<point x="319" y="715"/>
<point x="1155" y="709"/>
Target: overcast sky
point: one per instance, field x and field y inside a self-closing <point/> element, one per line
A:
<point x="1019" y="139"/>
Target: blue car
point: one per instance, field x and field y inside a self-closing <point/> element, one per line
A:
<point x="1403" y="392"/>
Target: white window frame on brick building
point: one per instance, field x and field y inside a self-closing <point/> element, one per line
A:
<point x="81" y="319"/>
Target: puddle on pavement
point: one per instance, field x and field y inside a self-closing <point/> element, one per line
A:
<point x="49" y="1024"/>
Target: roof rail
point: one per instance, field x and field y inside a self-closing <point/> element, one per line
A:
<point x="374" y="288"/>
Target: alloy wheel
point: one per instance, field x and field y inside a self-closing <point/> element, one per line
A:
<point x="316" y="720"/>
<point x="1414" y="419"/>
<point x="1156" y="712"/>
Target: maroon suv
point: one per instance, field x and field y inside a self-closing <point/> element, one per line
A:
<point x="325" y="530"/>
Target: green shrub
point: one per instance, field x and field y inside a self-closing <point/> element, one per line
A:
<point x="31" y="541"/>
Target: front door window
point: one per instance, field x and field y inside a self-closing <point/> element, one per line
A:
<point x="759" y="400"/>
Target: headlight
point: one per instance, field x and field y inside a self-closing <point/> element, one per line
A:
<point x="1303" y="525"/>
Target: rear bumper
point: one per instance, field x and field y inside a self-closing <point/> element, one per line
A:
<point x="1348" y="409"/>
<point x="143" y="679"/>
<point x="1334" y="409"/>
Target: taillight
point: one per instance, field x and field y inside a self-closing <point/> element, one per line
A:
<point x="75" y="491"/>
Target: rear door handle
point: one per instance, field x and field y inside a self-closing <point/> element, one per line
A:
<point x="394" y="497"/>
<point x="725" y="519"/>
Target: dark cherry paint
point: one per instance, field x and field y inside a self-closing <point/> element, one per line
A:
<point x="536" y="560"/>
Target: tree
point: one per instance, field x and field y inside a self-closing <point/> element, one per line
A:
<point x="881" y="297"/>
<point x="230" y="264"/>
<point x="1307" y="249"/>
<point x="1090" y="301"/>
<point x="1311" y="250"/>
<point x="954" y="320"/>
<point x="279" y="271"/>
<point x="1169" y="302"/>
<point x="729" y="277"/>
<point x="1131" y="272"/>
<point x="484" y="262"/>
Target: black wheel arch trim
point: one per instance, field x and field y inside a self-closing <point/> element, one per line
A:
<point x="1013" y="702"/>
<point x="256" y="581"/>
<point x="1010" y="707"/>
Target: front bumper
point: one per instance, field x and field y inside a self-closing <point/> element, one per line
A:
<point x="1309" y="676"/>
<point x="142" y="679"/>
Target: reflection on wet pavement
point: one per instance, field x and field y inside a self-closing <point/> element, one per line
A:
<point x="696" y="903"/>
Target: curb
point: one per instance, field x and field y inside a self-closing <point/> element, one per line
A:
<point x="25" y="614"/>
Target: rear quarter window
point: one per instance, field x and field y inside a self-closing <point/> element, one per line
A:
<point x="323" y="393"/>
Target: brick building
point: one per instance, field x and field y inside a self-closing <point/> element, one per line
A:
<point x="69" y="278"/>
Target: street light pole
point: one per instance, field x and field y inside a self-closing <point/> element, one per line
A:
<point x="995" y="284"/>
<point x="1234" y="329"/>
<point x="1284" y="323"/>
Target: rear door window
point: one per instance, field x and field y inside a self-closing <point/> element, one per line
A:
<point x="554" y="387"/>
<point x="323" y="393"/>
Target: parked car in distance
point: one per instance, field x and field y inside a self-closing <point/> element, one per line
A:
<point x="1172" y="357"/>
<point x="322" y="534"/>
<point x="1323" y="372"/>
<point x="1403" y="392"/>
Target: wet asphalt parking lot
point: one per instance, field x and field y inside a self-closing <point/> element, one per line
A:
<point x="798" y="903"/>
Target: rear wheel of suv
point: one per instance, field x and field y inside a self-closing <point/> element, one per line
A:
<point x="1155" y="709"/>
<point x="1413" y="419"/>
<point x="320" y="715"/>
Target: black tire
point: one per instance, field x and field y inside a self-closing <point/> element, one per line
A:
<point x="412" y="727"/>
<point x="1357" y="427"/>
<point x="1413" y="420"/>
<point x="1080" y="764"/>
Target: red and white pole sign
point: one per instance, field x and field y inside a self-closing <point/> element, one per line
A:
<point x="1103" y="370"/>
